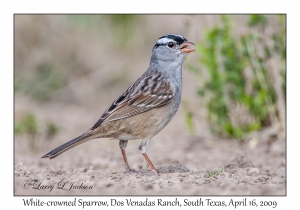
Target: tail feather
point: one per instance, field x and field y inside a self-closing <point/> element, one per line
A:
<point x="70" y="144"/>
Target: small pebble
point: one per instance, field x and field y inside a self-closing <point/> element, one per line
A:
<point x="253" y="171"/>
<point x="148" y="187"/>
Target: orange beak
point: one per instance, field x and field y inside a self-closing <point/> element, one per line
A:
<point x="185" y="45"/>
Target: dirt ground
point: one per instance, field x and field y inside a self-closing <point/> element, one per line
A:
<point x="199" y="165"/>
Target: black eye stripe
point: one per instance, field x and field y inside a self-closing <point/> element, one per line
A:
<point x="157" y="45"/>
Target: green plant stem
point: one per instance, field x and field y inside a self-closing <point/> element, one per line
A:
<point x="260" y="77"/>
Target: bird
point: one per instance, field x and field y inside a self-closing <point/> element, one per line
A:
<point x="147" y="106"/>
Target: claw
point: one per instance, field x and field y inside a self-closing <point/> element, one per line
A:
<point x="129" y="170"/>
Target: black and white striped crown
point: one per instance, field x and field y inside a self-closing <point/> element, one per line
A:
<point x="168" y="38"/>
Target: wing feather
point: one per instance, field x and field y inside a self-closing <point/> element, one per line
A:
<point x="148" y="92"/>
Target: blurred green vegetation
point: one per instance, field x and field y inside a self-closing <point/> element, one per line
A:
<point x="189" y="117"/>
<point x="40" y="85"/>
<point x="122" y="26"/>
<point x="29" y="127"/>
<point x="51" y="54"/>
<point x="240" y="95"/>
<point x="51" y="130"/>
<point x="28" y="124"/>
<point x="213" y="173"/>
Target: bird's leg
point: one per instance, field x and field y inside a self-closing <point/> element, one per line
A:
<point x="123" y="144"/>
<point x="150" y="163"/>
<point x="143" y="148"/>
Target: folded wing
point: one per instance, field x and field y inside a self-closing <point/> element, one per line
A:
<point x="148" y="92"/>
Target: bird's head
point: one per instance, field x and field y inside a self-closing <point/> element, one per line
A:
<point x="172" y="47"/>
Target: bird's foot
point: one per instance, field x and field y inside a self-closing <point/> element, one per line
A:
<point x="129" y="170"/>
<point x="156" y="172"/>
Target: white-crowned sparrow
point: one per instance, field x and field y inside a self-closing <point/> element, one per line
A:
<point x="147" y="106"/>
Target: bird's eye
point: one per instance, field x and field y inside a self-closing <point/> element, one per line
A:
<point x="171" y="44"/>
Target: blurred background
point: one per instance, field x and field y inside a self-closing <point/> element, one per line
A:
<point x="69" y="68"/>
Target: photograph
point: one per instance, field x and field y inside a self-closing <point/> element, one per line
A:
<point x="149" y="105"/>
